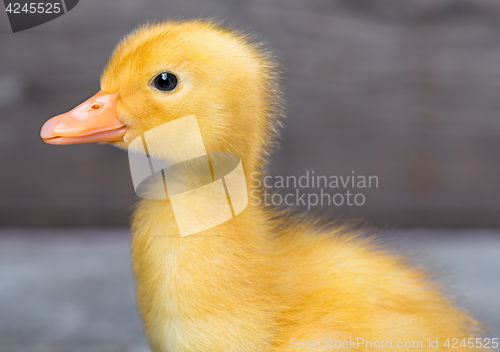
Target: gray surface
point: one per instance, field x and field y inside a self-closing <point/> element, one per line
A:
<point x="404" y="90"/>
<point x="72" y="290"/>
<point x="67" y="291"/>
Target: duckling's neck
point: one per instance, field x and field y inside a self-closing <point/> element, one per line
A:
<point x="186" y="284"/>
<point x="195" y="173"/>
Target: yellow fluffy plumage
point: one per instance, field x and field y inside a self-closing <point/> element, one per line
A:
<point x="265" y="279"/>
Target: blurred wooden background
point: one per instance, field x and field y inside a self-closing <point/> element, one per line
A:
<point x="408" y="91"/>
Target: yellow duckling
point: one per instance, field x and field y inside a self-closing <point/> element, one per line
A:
<point x="264" y="280"/>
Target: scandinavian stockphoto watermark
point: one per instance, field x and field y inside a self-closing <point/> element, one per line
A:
<point x="206" y="189"/>
<point x="310" y="190"/>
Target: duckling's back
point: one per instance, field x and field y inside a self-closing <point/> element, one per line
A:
<point x="348" y="293"/>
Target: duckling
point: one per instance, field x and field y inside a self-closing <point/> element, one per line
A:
<point x="265" y="280"/>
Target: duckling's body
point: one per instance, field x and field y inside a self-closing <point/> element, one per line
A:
<point x="247" y="286"/>
<point x="264" y="280"/>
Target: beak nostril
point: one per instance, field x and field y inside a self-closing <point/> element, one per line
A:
<point x="95" y="106"/>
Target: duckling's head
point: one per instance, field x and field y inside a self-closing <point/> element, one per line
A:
<point x="165" y="71"/>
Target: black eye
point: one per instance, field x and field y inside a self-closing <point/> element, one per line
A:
<point x="165" y="82"/>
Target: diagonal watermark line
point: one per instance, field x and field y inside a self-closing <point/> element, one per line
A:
<point x="63" y="2"/>
<point x="147" y="154"/>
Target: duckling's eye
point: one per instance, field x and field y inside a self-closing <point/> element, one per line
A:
<point x="165" y="82"/>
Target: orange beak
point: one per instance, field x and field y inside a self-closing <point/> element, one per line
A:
<point x="92" y="121"/>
